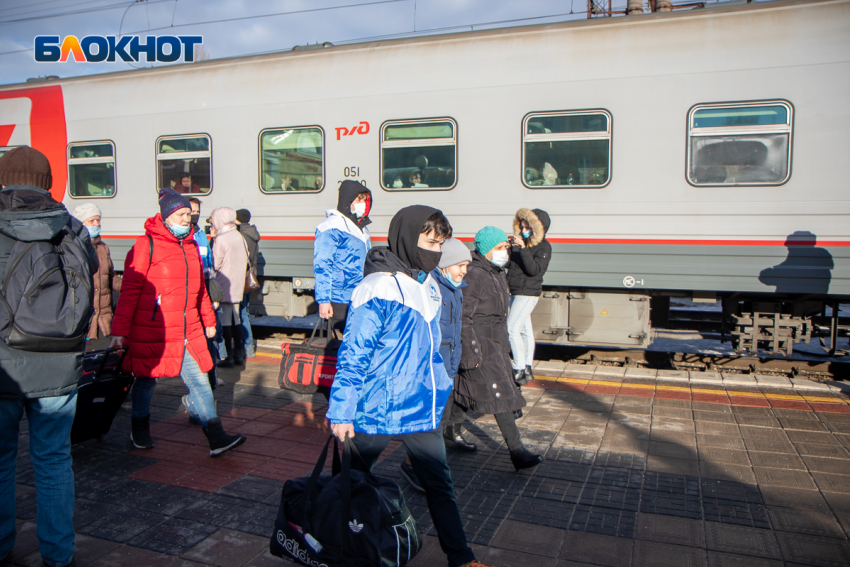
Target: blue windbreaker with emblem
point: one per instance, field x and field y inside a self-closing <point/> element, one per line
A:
<point x="338" y="257"/>
<point x="390" y="376"/>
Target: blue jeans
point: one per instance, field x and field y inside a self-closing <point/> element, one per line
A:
<point x="201" y="402"/>
<point x="218" y="341"/>
<point x="50" y="420"/>
<point x="520" y="332"/>
<point x="247" y="337"/>
<point x="427" y="452"/>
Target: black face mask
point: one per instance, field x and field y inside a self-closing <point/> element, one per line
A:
<point x="427" y="259"/>
<point x="195" y="218"/>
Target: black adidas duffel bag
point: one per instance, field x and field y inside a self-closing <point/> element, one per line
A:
<point x="350" y="519"/>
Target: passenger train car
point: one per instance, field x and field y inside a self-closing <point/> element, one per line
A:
<point x="696" y="153"/>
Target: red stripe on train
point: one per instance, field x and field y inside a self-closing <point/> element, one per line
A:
<point x="645" y="241"/>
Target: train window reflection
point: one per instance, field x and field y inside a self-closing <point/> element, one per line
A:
<point x="91" y="169"/>
<point x="419" y="155"/>
<point x="739" y="144"/>
<point x="569" y="149"/>
<point x="5" y="149"/>
<point x="184" y="163"/>
<point x="292" y="159"/>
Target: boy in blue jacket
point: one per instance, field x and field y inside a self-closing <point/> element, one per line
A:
<point x="454" y="259"/>
<point x="390" y="379"/>
<point x="342" y="241"/>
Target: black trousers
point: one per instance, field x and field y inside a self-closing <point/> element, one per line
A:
<point x="505" y="421"/>
<point x="427" y="453"/>
<point x="340" y="316"/>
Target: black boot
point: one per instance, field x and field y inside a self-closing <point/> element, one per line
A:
<point x="522" y="458"/>
<point x="141" y="432"/>
<point x="238" y="347"/>
<point x="519" y="377"/>
<point x="219" y="440"/>
<point x="453" y="433"/>
<point x="529" y="373"/>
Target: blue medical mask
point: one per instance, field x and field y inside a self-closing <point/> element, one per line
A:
<point x="94" y="231"/>
<point x="526" y="234"/>
<point x="451" y="280"/>
<point x="180" y="230"/>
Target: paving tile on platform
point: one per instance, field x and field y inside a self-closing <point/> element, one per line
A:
<point x="757" y="420"/>
<point x="671" y="450"/>
<point x="496" y="556"/>
<point x="597" y="549"/>
<point x="839" y="501"/>
<point x="815" y="550"/>
<point x="714" y="428"/>
<point x="722" y="441"/>
<point x="129" y="556"/>
<point x="726" y="471"/>
<point x="713" y="416"/>
<point x="654" y="554"/>
<point x="672" y="412"/>
<point x="723" y="455"/>
<point x="794" y="498"/>
<point x="251" y="488"/>
<point x="802" y="521"/>
<point x="673" y="374"/>
<point x="226" y="548"/>
<point x="818" y="450"/>
<point x="717" y="559"/>
<point x="741" y="540"/>
<point x="827" y="465"/>
<point x="669" y="529"/>
<point x="829" y="482"/>
<point x="784" y="478"/>
<point x="528" y="538"/>
<point x="684" y="467"/>
<point x="776" y="460"/>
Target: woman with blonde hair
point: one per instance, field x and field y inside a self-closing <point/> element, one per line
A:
<point x="231" y="264"/>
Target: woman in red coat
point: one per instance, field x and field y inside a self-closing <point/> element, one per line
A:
<point x="165" y="314"/>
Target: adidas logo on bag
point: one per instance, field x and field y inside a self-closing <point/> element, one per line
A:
<point x="354" y="526"/>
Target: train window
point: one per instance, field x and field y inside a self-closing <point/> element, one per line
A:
<point x="292" y="159"/>
<point x="739" y="144"/>
<point x="5" y="149"/>
<point x="91" y="169"/>
<point x="419" y="154"/>
<point x="184" y="164"/>
<point x="570" y="149"/>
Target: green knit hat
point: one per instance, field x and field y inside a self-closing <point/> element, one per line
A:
<point x="488" y="238"/>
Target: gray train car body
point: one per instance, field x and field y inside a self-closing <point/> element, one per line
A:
<point x="689" y="153"/>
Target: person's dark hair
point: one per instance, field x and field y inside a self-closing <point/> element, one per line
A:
<point x="195" y="200"/>
<point x="439" y="224"/>
<point x="181" y="176"/>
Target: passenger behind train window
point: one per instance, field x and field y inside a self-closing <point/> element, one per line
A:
<point x="567" y="149"/>
<point x="740" y="144"/>
<point x="91" y="169"/>
<point x="291" y="159"/>
<point x="418" y="154"/>
<point x="179" y="157"/>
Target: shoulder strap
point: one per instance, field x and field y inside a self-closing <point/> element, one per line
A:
<point x="150" y="257"/>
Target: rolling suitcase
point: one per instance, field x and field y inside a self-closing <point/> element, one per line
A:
<point x="101" y="391"/>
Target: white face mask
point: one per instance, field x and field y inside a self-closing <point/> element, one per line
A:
<point x="500" y="257"/>
<point x="359" y="209"/>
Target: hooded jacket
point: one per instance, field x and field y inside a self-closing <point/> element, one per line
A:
<point x="390" y="376"/>
<point x="485" y="383"/>
<point x="339" y="252"/>
<point x="29" y="214"/>
<point x="527" y="265"/>
<point x="164" y="306"/>
<point x="230" y="253"/>
<point x="451" y="321"/>
<point x="252" y="239"/>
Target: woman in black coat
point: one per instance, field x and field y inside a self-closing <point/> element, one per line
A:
<point x="485" y="381"/>
<point x="529" y="260"/>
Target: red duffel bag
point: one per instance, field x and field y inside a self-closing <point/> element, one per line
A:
<point x="306" y="366"/>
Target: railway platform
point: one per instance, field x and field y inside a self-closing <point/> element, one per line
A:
<point x="640" y="470"/>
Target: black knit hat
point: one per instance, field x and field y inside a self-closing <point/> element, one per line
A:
<point x="25" y="166"/>
<point x="170" y="201"/>
<point x="243" y="216"/>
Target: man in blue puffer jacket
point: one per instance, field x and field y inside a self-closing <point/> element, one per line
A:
<point x="390" y="379"/>
<point x="342" y="242"/>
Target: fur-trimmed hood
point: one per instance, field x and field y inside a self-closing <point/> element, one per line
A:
<point x="537" y="219"/>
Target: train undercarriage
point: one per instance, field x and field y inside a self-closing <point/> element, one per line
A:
<point x="753" y="324"/>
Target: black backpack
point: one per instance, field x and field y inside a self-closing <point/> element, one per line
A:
<point x="350" y="519"/>
<point x="47" y="295"/>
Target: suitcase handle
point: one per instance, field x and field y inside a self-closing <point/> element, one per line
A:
<point x="325" y="327"/>
<point x="106" y="354"/>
